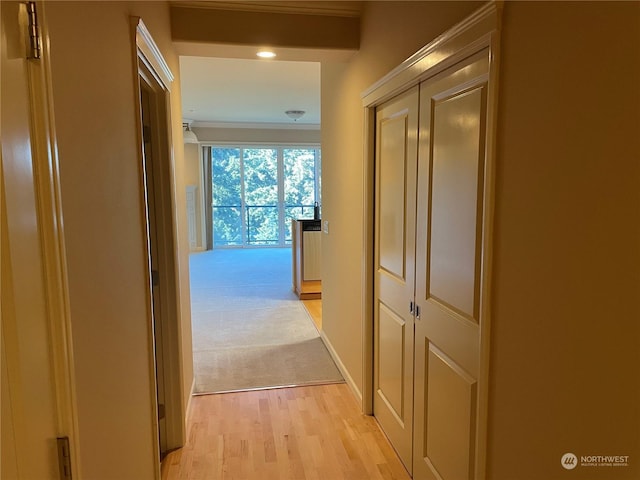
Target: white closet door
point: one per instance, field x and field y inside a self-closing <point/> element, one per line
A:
<point x="450" y="218"/>
<point x="395" y="192"/>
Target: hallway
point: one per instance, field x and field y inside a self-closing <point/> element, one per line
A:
<point x="302" y="433"/>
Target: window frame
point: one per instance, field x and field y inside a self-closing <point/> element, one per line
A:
<point x="207" y="149"/>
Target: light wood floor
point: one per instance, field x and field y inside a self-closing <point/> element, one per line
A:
<point x="302" y="433"/>
<point x="314" y="307"/>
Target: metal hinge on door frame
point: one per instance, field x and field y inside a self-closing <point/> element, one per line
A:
<point x="64" y="458"/>
<point x="35" y="45"/>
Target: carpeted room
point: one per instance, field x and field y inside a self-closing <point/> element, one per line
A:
<point x="249" y="328"/>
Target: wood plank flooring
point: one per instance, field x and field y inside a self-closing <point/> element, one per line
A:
<point x="302" y="433"/>
<point x="314" y="307"/>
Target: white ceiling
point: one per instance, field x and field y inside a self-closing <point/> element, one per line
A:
<point x="225" y="85"/>
<point x="245" y="92"/>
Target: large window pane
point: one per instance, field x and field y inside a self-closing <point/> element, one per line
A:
<point x="227" y="197"/>
<point x="257" y="191"/>
<point x="299" y="185"/>
<point x="261" y="195"/>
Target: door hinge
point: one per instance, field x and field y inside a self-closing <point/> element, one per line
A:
<point x="155" y="278"/>
<point x="35" y="45"/>
<point x="64" y="458"/>
<point x="161" y="411"/>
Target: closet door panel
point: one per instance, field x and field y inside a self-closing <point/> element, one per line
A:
<point x="449" y="223"/>
<point x="392" y="196"/>
<point x="450" y="416"/>
<point x="395" y="194"/>
<point x="391" y="347"/>
<point x="453" y="252"/>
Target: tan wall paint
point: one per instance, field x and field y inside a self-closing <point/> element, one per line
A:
<point x="182" y="240"/>
<point x="192" y="155"/>
<point x="565" y="330"/>
<point x="94" y="99"/>
<point x="274" y="29"/>
<point x="192" y="160"/>
<point x="391" y="32"/>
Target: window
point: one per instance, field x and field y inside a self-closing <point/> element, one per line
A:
<point x="257" y="191"/>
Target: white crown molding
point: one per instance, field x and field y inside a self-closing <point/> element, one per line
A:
<point x="308" y="7"/>
<point x="257" y="126"/>
<point x="469" y="35"/>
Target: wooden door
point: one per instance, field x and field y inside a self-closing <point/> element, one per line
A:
<point x="395" y="193"/>
<point x="36" y="378"/>
<point x="450" y="222"/>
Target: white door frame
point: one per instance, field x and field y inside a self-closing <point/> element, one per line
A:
<point x="152" y="69"/>
<point x="477" y="32"/>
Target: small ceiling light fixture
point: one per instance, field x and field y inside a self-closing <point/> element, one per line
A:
<point x="266" y="54"/>
<point x="189" y="136"/>
<point x="295" y="114"/>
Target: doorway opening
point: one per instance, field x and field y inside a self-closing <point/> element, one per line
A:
<point x="255" y="170"/>
<point x="153" y="85"/>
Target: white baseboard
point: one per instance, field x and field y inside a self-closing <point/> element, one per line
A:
<point x="343" y="370"/>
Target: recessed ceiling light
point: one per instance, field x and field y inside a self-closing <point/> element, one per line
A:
<point x="266" y="54"/>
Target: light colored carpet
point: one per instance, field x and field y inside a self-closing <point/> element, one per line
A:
<point x="249" y="328"/>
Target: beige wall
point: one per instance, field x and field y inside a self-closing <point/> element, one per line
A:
<point x="94" y="101"/>
<point x="192" y="163"/>
<point x="565" y="332"/>
<point x="564" y="366"/>
<point x="391" y="32"/>
<point x="182" y="236"/>
<point x="276" y="29"/>
<point x="192" y="160"/>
